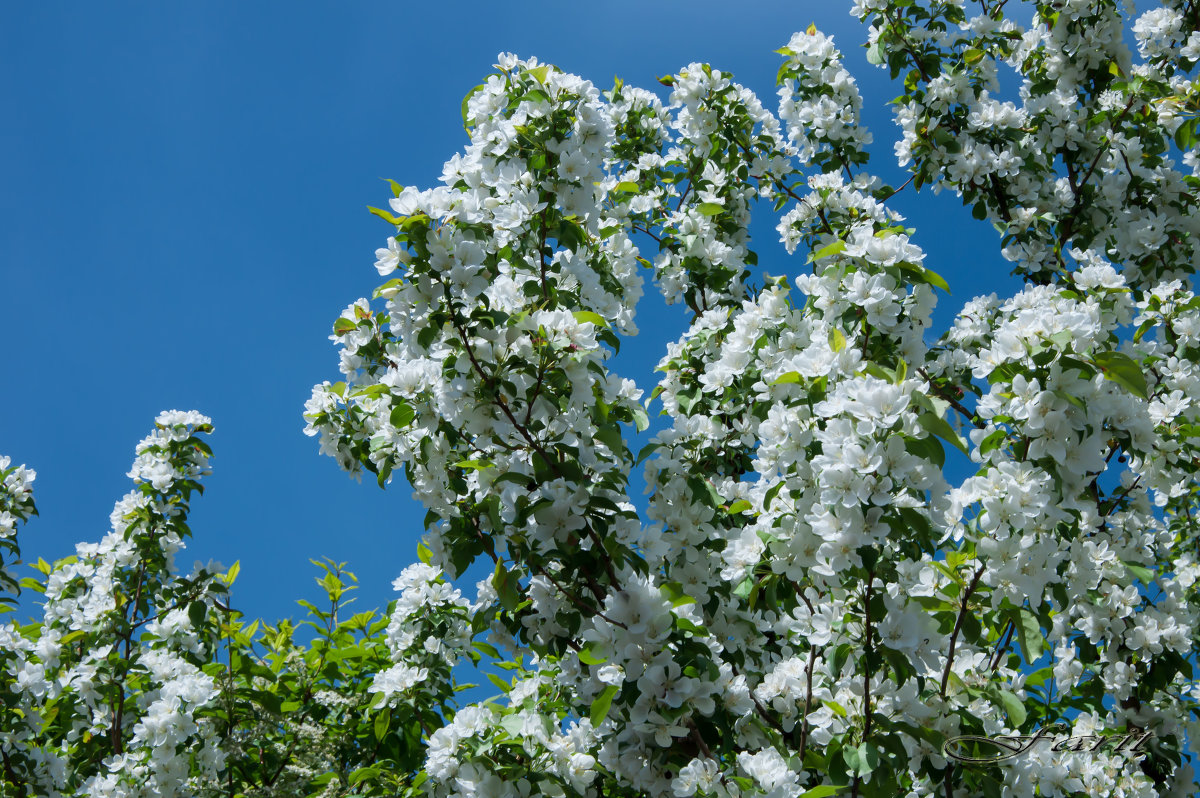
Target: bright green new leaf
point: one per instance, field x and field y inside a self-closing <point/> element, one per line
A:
<point x="829" y="250"/>
<point x="587" y="316"/>
<point x="1123" y="370"/>
<point x="588" y="658"/>
<point x="837" y="340"/>
<point x="387" y="217"/>
<point x="602" y="703"/>
<point x="739" y="506"/>
<point x="786" y="379"/>
<point x="824" y="791"/>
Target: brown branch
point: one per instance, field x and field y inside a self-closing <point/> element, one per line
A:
<point x="1002" y="644"/>
<point x="977" y="422"/>
<point x="694" y="733"/>
<point x="550" y="462"/>
<point x="808" y="676"/>
<point x="896" y="191"/>
<point x="866" y="671"/>
<point x="958" y="622"/>
<point x="908" y="48"/>
<point x="542" y="254"/>
<point x="1121" y="498"/>
<point x="11" y="774"/>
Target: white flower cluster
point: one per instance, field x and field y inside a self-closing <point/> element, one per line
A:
<point x="118" y="660"/>
<point x="809" y="599"/>
<point x="16" y="506"/>
<point x="426" y="632"/>
<point x="16" y="488"/>
<point x="808" y="567"/>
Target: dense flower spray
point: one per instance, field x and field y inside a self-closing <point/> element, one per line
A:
<point x="864" y="537"/>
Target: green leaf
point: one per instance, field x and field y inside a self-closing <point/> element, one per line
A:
<point x="840" y="654"/>
<point x="467" y="100"/>
<point x="919" y="274"/>
<point x="1039" y="677"/>
<point x="1185" y="135"/>
<point x="646" y="451"/>
<point x="850" y="756"/>
<point x="585" y="316"/>
<point x="935" y="279"/>
<point x="588" y="658"/>
<point x="1013" y="707"/>
<point x="1140" y="573"/>
<point x="926" y="448"/>
<point x="626" y="185"/>
<point x="837" y="341"/>
<point x="506" y="587"/>
<point x="402" y="414"/>
<point x="862" y="760"/>
<point x="710" y="208"/>
<point x="474" y="465"/>
<point x="876" y="54"/>
<point x="786" y="379"/>
<point x="868" y="758"/>
<point x="602" y="703"/>
<point x="382" y="214"/>
<point x="938" y="426"/>
<point x="684" y="625"/>
<point x="1029" y="635"/>
<point x="343" y="326"/>
<point x="823" y="791"/>
<point x="831" y="249"/>
<point x="486" y="648"/>
<point x="1144" y="328"/>
<point x="362" y="774"/>
<point x="973" y="56"/>
<point x="1123" y="370"/>
<point x="739" y="506"/>
<point x="382" y="721"/>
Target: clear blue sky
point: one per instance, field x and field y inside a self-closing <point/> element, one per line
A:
<point x="183" y="194"/>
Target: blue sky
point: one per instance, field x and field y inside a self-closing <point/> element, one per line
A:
<point x="185" y="189"/>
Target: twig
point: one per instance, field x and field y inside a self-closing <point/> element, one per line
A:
<point x="958" y="622"/>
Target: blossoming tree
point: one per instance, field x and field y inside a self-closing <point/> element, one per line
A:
<point x="864" y="538"/>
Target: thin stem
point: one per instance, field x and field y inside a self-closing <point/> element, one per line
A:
<point x="1002" y="644"/>
<point x="958" y="622"/>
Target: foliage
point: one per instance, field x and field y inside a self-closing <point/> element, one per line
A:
<point x="863" y="539"/>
